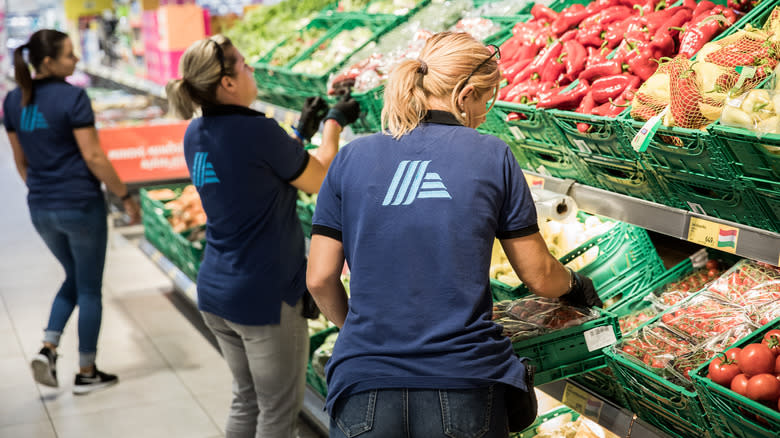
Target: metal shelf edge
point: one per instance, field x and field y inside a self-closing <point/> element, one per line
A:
<point x="754" y="243"/>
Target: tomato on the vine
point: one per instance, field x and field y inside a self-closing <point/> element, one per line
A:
<point x="772" y="340"/>
<point x="763" y="387"/>
<point x="756" y="359"/>
<point x="739" y="384"/>
<point x="731" y="353"/>
<point x="722" y="370"/>
<point x="712" y="264"/>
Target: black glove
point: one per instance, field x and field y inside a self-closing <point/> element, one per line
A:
<point x="582" y="293"/>
<point x="345" y="111"/>
<point x="314" y="110"/>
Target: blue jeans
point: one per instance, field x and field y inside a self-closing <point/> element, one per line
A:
<point x="77" y="238"/>
<point x="428" y="413"/>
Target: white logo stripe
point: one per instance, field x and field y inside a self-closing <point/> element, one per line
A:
<point x="433" y="186"/>
<point x="436" y="194"/>
<point x="396" y="178"/>
<point x="432" y="176"/>
<point x="416" y="185"/>
<point x="407" y="181"/>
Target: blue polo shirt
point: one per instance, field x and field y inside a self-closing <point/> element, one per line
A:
<point x="241" y="164"/>
<point x="418" y="217"/>
<point x="57" y="175"/>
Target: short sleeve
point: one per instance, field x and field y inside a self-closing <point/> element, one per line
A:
<point x="518" y="212"/>
<point x="327" y="214"/>
<point x="9" y="125"/>
<point x="82" y="116"/>
<point x="285" y="156"/>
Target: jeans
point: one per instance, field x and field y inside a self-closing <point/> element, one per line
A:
<point x="77" y="238"/>
<point x="268" y="363"/>
<point x="428" y="413"/>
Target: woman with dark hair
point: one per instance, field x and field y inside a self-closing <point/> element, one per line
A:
<point x="51" y="128"/>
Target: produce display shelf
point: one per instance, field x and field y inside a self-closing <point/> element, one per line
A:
<point x="124" y="78"/>
<point x="752" y="243"/>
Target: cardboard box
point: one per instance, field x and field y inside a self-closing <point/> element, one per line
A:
<point x="179" y="26"/>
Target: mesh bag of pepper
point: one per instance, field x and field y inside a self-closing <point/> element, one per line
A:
<point x="531" y="316"/>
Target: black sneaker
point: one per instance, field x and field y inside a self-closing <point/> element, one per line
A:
<point x="44" y="367"/>
<point x="98" y="380"/>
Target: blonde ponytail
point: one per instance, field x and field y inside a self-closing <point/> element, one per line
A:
<point x="441" y="72"/>
<point x="201" y="73"/>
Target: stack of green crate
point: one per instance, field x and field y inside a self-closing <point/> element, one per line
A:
<point x="732" y="415"/>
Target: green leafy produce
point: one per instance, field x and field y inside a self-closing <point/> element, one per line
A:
<point x="397" y="7"/>
<point x="296" y="45"/>
<point x="341" y="46"/>
<point x="263" y="27"/>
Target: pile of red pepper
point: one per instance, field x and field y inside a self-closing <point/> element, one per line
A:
<point x="591" y="59"/>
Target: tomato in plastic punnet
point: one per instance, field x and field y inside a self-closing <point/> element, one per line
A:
<point x="732" y="353"/>
<point x="772" y="340"/>
<point x="764" y="387"/>
<point x="722" y="371"/>
<point x="756" y="359"/>
<point x="712" y="264"/>
<point x="739" y="384"/>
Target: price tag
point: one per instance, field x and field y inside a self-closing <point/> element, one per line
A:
<point x="714" y="235"/>
<point x="534" y="182"/>
<point x="582" y="146"/>
<point x="270" y="111"/>
<point x="600" y="337"/>
<point x="517" y="132"/>
<point x="582" y="402"/>
<point x="745" y="73"/>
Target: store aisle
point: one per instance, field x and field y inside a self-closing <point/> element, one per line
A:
<point x="173" y="382"/>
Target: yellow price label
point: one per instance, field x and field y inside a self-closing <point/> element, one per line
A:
<point x="534" y="182"/>
<point x="582" y="402"/>
<point x="269" y="112"/>
<point x="714" y="235"/>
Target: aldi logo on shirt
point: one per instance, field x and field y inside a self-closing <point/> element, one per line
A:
<point x="202" y="171"/>
<point x="32" y="119"/>
<point x="412" y="181"/>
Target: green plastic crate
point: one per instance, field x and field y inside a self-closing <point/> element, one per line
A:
<point x="316" y="84"/>
<point x="313" y="379"/>
<point x="544" y="418"/>
<point x="283" y="97"/>
<point x="756" y="158"/>
<point x="627" y="177"/>
<point x="332" y="11"/>
<point x="604" y="138"/>
<point x="731" y="414"/>
<point x="727" y="199"/>
<point x="603" y="382"/>
<point x="183" y="253"/>
<point x="305" y="214"/>
<point x="668" y="406"/>
<point x="768" y="197"/>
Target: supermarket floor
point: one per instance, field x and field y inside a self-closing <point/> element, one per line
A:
<point x="173" y="382"/>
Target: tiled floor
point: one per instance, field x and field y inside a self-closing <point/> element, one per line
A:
<point x="173" y="382"/>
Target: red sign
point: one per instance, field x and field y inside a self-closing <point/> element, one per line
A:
<point x="146" y="153"/>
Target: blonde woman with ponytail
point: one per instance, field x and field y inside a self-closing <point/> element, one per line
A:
<point x="51" y="128"/>
<point x="414" y="211"/>
<point x="251" y="284"/>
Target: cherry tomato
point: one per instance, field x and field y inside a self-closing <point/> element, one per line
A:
<point x="628" y="349"/>
<point x="764" y="387"/>
<point x="712" y="273"/>
<point x="772" y="340"/>
<point x="722" y="371"/>
<point x="739" y="384"/>
<point x="756" y="359"/>
<point x="712" y="264"/>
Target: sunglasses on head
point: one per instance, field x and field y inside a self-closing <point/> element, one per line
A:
<point x="220" y="58"/>
<point x="495" y="53"/>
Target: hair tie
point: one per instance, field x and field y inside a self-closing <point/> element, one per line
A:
<point x="423" y="68"/>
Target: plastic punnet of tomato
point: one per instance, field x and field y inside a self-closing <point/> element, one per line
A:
<point x="705" y="317"/>
<point x="763" y="302"/>
<point x="746" y="275"/>
<point x="532" y="315"/>
<point x="654" y="348"/>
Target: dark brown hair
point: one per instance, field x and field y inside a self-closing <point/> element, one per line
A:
<point x="43" y="43"/>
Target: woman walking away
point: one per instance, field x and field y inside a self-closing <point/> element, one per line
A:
<point x="250" y="286"/>
<point x="415" y="211"/>
<point x="51" y="128"/>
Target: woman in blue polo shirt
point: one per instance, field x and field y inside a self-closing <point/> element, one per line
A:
<point x="51" y="128"/>
<point x="415" y="212"/>
<point x="250" y="286"/>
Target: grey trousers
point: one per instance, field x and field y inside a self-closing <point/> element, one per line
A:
<point x="268" y="364"/>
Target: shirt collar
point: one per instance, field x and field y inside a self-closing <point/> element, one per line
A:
<point x="441" y="118"/>
<point x="47" y="80"/>
<point x="225" y="110"/>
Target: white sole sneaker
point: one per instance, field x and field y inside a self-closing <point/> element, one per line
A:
<point x="93" y="387"/>
<point x="42" y="372"/>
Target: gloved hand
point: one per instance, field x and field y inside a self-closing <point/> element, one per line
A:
<point x="312" y="113"/>
<point x="345" y="111"/>
<point x="582" y="293"/>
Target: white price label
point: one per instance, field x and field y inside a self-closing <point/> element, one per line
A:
<point x="517" y="132"/>
<point x="600" y="337"/>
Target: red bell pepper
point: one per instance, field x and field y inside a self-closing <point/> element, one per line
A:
<point x="673" y="25"/>
<point x="685" y="107"/>
<point x="518" y="71"/>
<point x="548" y="55"/>
<point x="606" y="68"/>
<point x="591" y="35"/>
<point x="569" y="18"/>
<point x="565" y="100"/>
<point x="615" y="14"/>
<point x="575" y="59"/>
<point x="586" y="106"/>
<point x="690" y="4"/>
<point x="569" y="35"/>
<point x="610" y="87"/>
<point x="703" y="6"/>
<point x="697" y="35"/>
<point x="657" y="19"/>
<point x="599" y="5"/>
<point x="553" y="70"/>
<point x="641" y="61"/>
<point x="542" y="12"/>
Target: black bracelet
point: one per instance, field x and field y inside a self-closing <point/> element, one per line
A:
<point x="126" y="197"/>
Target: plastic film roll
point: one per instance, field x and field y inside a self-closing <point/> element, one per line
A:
<point x="553" y="206"/>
